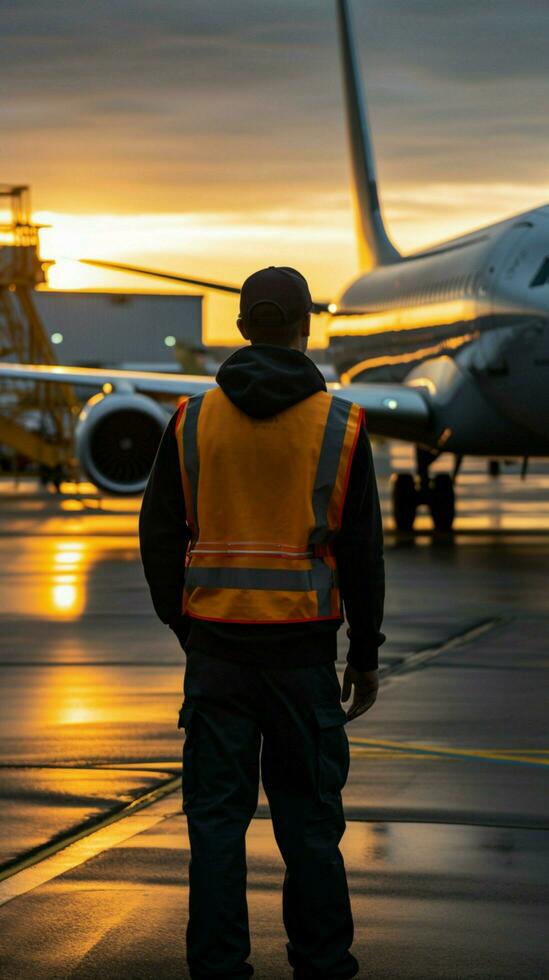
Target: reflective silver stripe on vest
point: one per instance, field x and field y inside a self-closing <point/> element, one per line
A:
<point x="250" y="551"/>
<point x="328" y="465"/>
<point x="190" y="448"/>
<point x="319" y="578"/>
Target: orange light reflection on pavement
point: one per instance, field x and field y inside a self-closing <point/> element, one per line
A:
<point x="102" y="696"/>
<point x="61" y="566"/>
<point x="65" y="594"/>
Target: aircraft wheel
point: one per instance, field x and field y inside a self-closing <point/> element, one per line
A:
<point x="404" y="496"/>
<point x="442" y="502"/>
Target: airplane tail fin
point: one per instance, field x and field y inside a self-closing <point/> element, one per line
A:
<point x="375" y="247"/>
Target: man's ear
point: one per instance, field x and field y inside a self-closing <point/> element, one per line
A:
<point x="242" y="328"/>
<point x="306" y="326"/>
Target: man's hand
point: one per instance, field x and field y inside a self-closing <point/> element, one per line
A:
<point x="365" y="685"/>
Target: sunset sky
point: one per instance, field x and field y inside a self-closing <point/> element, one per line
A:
<point x="208" y="137"/>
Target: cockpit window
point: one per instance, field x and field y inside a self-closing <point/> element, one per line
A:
<point x="542" y="275"/>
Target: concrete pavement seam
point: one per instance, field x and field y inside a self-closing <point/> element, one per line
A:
<point x="418" y="659"/>
<point x="50" y="849"/>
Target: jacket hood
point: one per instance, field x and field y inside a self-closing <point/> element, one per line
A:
<point x="262" y="380"/>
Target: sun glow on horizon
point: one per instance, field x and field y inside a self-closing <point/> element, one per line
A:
<point x="228" y="245"/>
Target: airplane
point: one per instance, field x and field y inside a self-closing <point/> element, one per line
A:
<point x="446" y="348"/>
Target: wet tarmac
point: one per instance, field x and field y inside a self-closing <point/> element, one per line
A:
<point x="447" y="800"/>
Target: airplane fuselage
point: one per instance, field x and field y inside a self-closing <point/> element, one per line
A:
<point x="468" y="316"/>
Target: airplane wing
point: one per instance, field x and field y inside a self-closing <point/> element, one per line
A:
<point x="220" y="287"/>
<point x="396" y="410"/>
<point x="149" y="382"/>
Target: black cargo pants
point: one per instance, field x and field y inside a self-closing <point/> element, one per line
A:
<point x="288" y="721"/>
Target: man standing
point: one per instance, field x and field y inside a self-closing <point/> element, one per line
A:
<point x="266" y="484"/>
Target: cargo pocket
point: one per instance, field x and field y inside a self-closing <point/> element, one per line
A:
<point x="187" y="721"/>
<point x="333" y="750"/>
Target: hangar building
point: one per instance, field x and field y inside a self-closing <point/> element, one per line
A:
<point x="117" y="329"/>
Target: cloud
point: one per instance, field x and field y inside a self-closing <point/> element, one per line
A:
<point x="175" y="104"/>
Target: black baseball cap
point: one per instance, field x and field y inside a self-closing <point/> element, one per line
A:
<point x="280" y="287"/>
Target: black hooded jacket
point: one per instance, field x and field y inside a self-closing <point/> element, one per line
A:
<point x="262" y="380"/>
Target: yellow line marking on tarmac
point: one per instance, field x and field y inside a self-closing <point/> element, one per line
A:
<point x="386" y="756"/>
<point x="529" y="757"/>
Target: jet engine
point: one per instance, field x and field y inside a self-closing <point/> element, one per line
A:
<point x="117" y="436"/>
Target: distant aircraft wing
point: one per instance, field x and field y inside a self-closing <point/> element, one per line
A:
<point x="222" y="287"/>
<point x="219" y="287"/>
<point x="395" y="410"/>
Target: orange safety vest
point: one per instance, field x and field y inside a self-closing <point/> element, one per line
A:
<point x="264" y="499"/>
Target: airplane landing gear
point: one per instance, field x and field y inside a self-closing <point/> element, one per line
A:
<point x="405" y="500"/>
<point x="441" y="501"/>
<point x="437" y="492"/>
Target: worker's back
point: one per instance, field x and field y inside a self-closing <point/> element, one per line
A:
<point x="264" y="498"/>
<point x="251" y="468"/>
